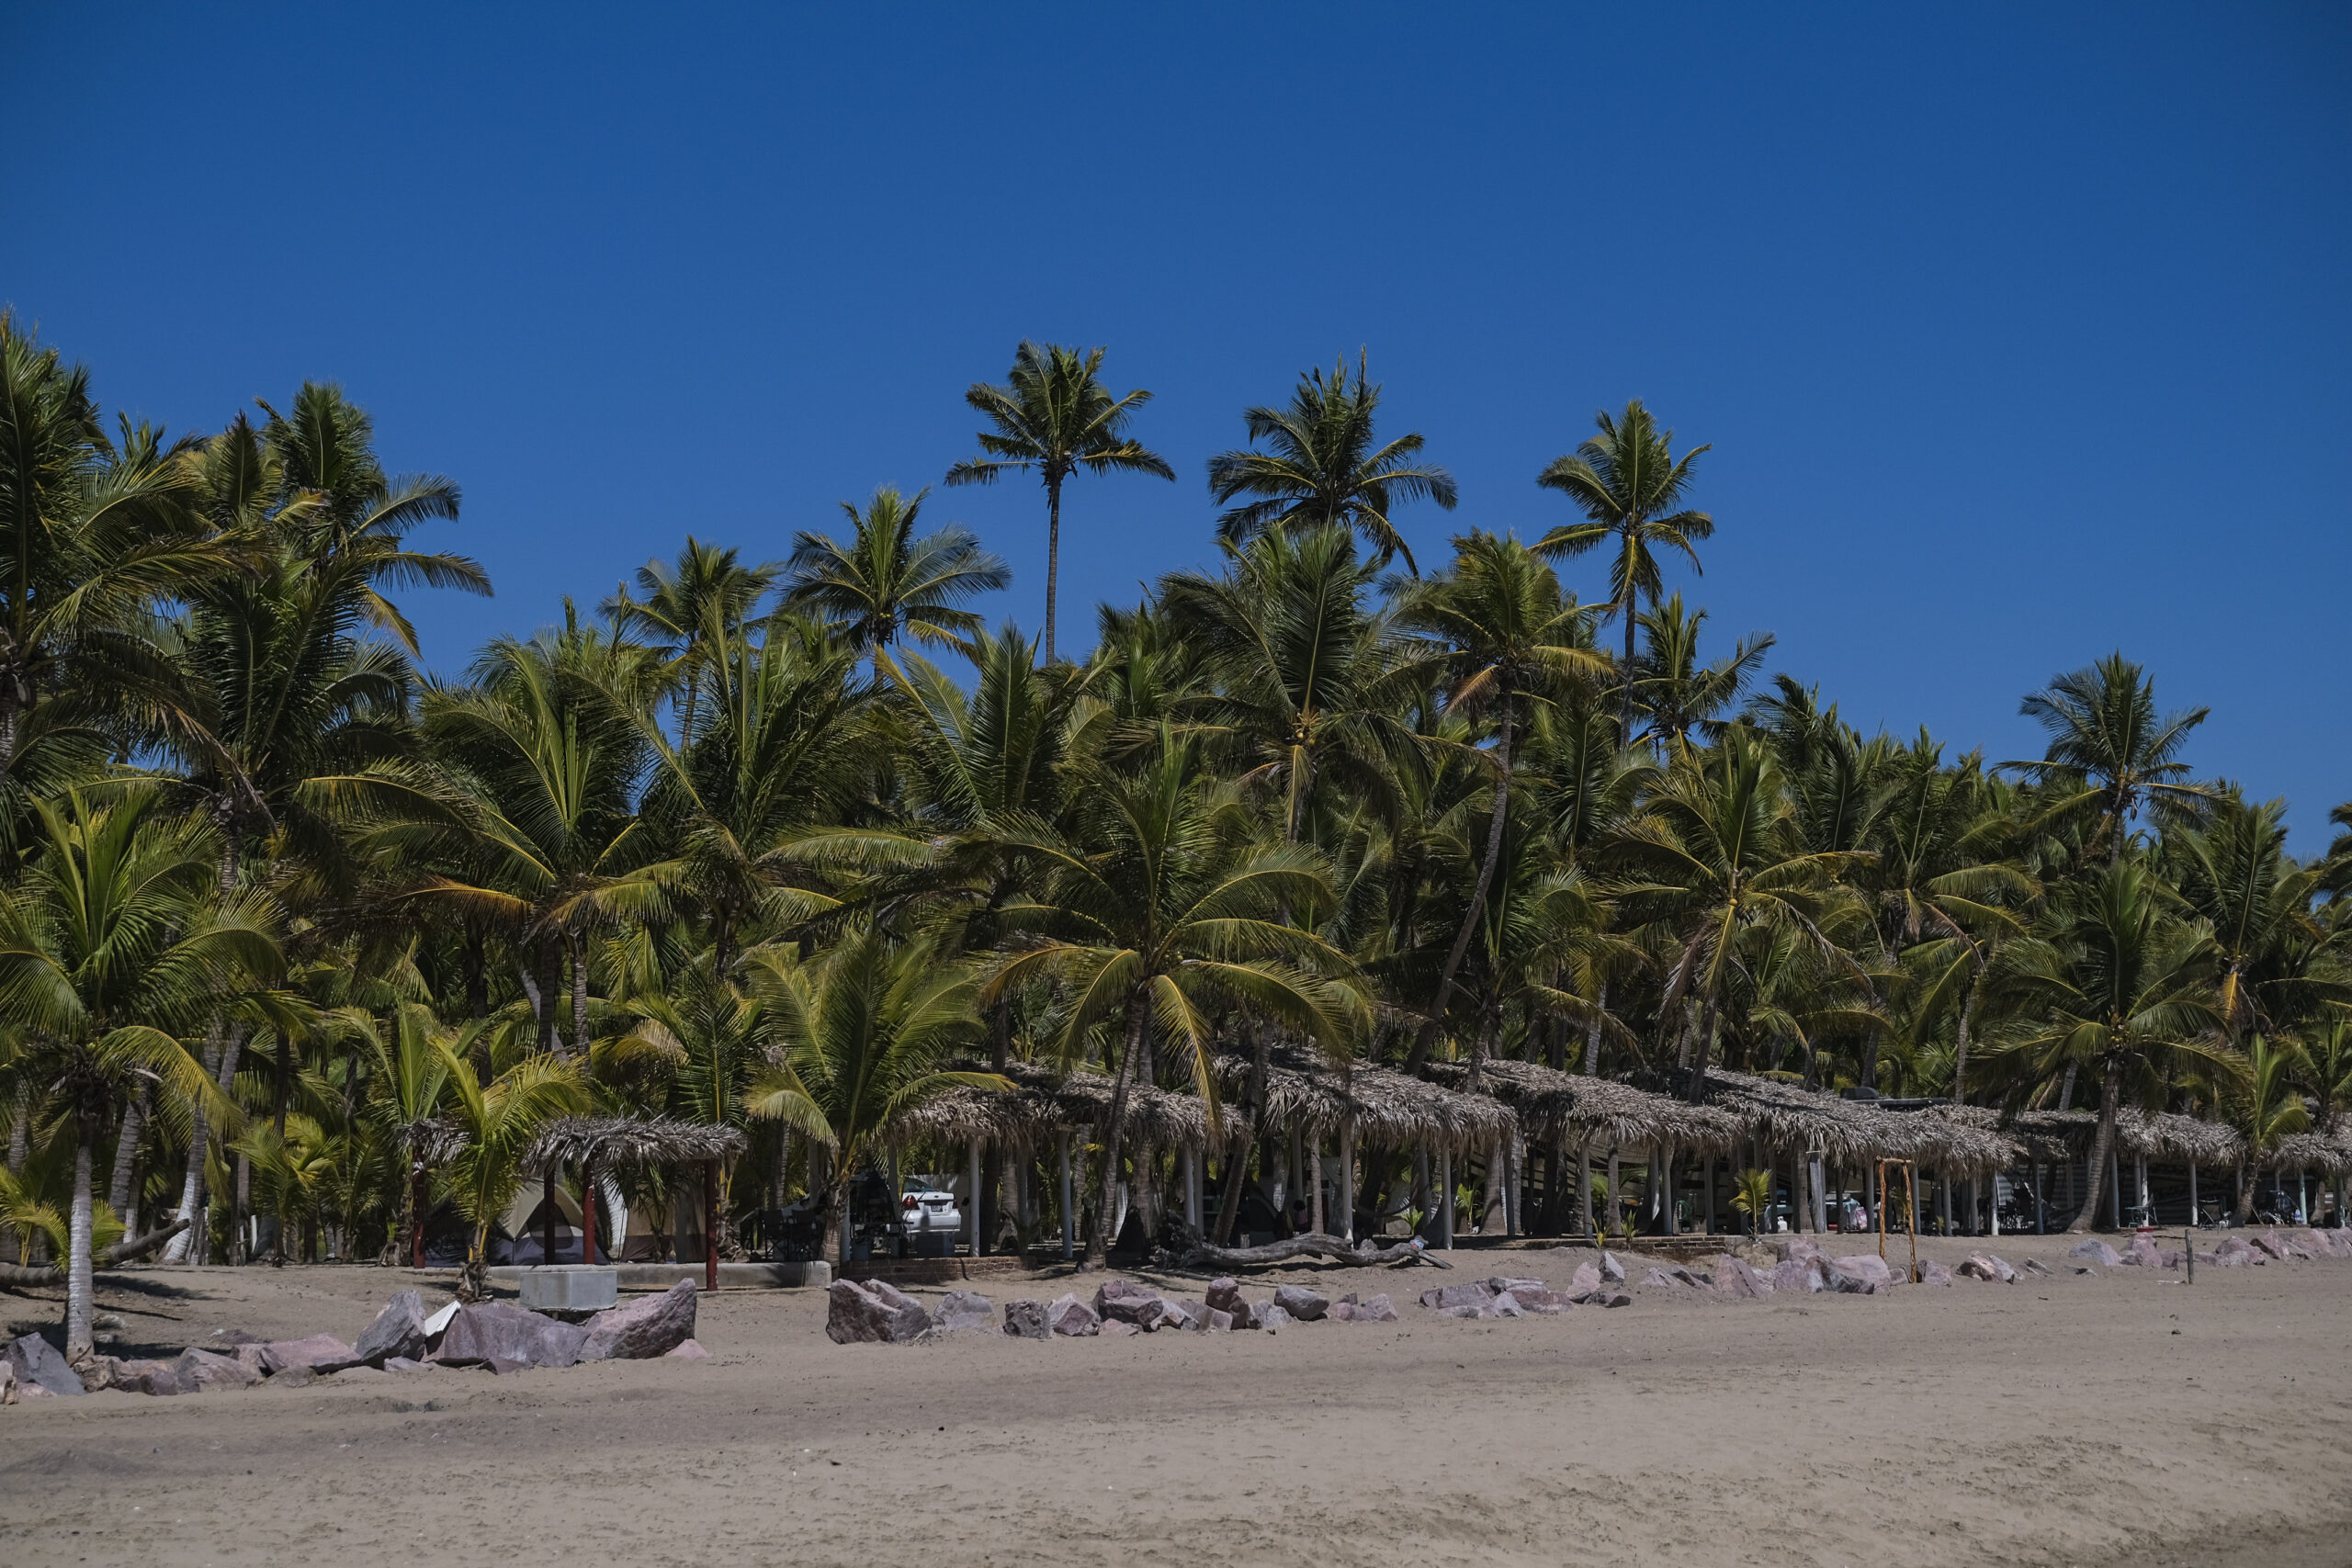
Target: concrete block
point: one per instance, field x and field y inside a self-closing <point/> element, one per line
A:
<point x="570" y="1287"/>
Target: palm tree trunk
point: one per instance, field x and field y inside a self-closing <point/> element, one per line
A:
<point x="79" y="1286"/>
<point x="1236" y="1165"/>
<point x="1592" y="1032"/>
<point x="1436" y="1021"/>
<point x="1098" y="1239"/>
<point x="580" y="994"/>
<point x="2111" y="1088"/>
<point x="1960" y="1053"/>
<point x="1053" y="554"/>
<point x="20" y="1128"/>
<point x="1625" y="674"/>
<point x="1696" y="1089"/>
<point x="125" y="1154"/>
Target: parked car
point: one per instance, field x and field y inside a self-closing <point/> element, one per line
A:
<point x="928" y="1218"/>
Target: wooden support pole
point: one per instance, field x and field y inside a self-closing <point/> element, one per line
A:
<point x="588" y="1212"/>
<point x="1069" y="1217"/>
<point x="710" y="1224"/>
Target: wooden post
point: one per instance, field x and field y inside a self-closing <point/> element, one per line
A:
<point x="1347" y="1231"/>
<point x="1315" y="1184"/>
<point x="1911" y="1181"/>
<point x="588" y="1212"/>
<point x="1445" y="1198"/>
<point x="1069" y="1220"/>
<point x="1707" y="1176"/>
<point x="972" y="1218"/>
<point x="710" y="1224"/>
<point x="2192" y="1197"/>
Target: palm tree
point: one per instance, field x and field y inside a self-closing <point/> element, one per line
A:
<point x="2123" y="987"/>
<point x="1719" y="852"/>
<point x="1325" y="466"/>
<point x="885" y="583"/>
<point x="1630" y="485"/>
<point x="411" y="1078"/>
<point x="2235" y="875"/>
<point x="2108" y="748"/>
<point x="1055" y="415"/>
<point x="858" y="1038"/>
<point x="93" y="534"/>
<point x="686" y="607"/>
<point x="1157" y="914"/>
<point x="1497" y="631"/>
<point x="1680" y="693"/>
<point x="496" y="1123"/>
<point x="111" y="948"/>
<point x="2268" y="1105"/>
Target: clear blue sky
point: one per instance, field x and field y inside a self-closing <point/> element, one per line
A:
<point x="2021" y="333"/>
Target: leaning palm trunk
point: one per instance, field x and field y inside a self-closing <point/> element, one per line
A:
<point x="1436" y="1021"/>
<point x="80" y="1288"/>
<point x="1099" y="1239"/>
<point x="126" y="1155"/>
<point x="2112" y="1085"/>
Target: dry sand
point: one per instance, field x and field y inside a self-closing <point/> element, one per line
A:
<point x="2117" y="1418"/>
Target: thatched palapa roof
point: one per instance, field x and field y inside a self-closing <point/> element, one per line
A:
<point x="1041" y="1104"/>
<point x="2330" y="1155"/>
<point x="1388" y="1109"/>
<point x="640" y="1141"/>
<point x="2166" y="1137"/>
<point x="1550" y="1104"/>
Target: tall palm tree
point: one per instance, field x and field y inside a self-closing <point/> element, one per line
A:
<point x="1055" y="415"/>
<point x="411" y="1078"/>
<point x="1157" y="914"/>
<point x="885" y="583"/>
<point x="1500" y="635"/>
<point x="1324" y="465"/>
<point x="859" y="1037"/>
<point x="1680" y="694"/>
<point x="2233" y="872"/>
<point x="2124" y="987"/>
<point x="2108" y="748"/>
<point x="686" y="607"/>
<point x="93" y="534"/>
<point x="112" y="948"/>
<point x="1630" y="485"/>
<point x="1721" y="852"/>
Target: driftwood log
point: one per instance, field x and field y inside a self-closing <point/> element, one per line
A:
<point x="1314" y="1244"/>
<point x="123" y="1251"/>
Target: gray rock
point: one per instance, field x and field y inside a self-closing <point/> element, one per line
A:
<point x="1868" y="1266"/>
<point x="1375" y="1309"/>
<point x="1660" y="1277"/>
<point x="402" y="1364"/>
<point x="294" y="1377"/>
<point x="961" y="1310"/>
<point x="641" y="1329"/>
<point x="1117" y="1328"/>
<point x="1127" y="1301"/>
<point x="1794" y="1247"/>
<point x="2144" y="1253"/>
<point x="1586" y="1280"/>
<point x="1272" y="1318"/>
<point x="363" y="1372"/>
<point x="201" y="1371"/>
<point x="1803" y="1274"/>
<point x="1618" y="1300"/>
<point x="870" y="1312"/>
<point x="399" y="1330"/>
<point x="1188" y="1314"/>
<point x="2030" y="1266"/>
<point x="1986" y="1266"/>
<point x="1934" y="1273"/>
<point x="150" y="1377"/>
<point x="1026" y="1320"/>
<point x="1301" y="1304"/>
<point x="1498" y="1284"/>
<point x="1612" y="1272"/>
<point x="1073" y="1318"/>
<point x="1220" y="1321"/>
<point x="318" y="1350"/>
<point x="503" y="1331"/>
<point x="1739" y="1280"/>
<point x="41" y="1369"/>
<point x="1470" y="1292"/>
<point x="2097" y="1252"/>
<point x="1546" y="1304"/>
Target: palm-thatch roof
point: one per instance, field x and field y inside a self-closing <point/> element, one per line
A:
<point x="1785" y="1115"/>
<point x="2314" y="1151"/>
<point x="1550" y="1103"/>
<point x="2166" y="1137"/>
<point x="1041" y="1104"/>
<point x="1388" y="1109"/>
<point x="638" y="1141"/>
<point x="1962" y="1140"/>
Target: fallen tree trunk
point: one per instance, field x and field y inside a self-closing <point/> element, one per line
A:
<point x="1314" y="1244"/>
<point x="120" y="1252"/>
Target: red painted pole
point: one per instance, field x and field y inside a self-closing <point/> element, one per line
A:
<point x="588" y="1212"/>
<point x="710" y="1224"/>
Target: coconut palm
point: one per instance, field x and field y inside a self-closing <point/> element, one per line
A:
<point x="885" y="583"/>
<point x="1323" y="465"/>
<point x="411" y="1082"/>
<point x="857" y="1038"/>
<point x="2233" y="872"/>
<point x="1155" y="913"/>
<point x="1055" y="415"/>
<point x="1501" y="636"/>
<point x="2124" y="987"/>
<point x="113" y="947"/>
<point x="2265" y="1101"/>
<point x="1680" y="694"/>
<point x="493" y="1124"/>
<point x="2110" y="750"/>
<point x="1630" y="485"/>
<point x="686" y="609"/>
<point x="1719" y="852"/>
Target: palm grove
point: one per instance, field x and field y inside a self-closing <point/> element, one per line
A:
<point x="290" y="929"/>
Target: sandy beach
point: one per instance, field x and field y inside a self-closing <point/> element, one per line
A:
<point x="2112" y="1417"/>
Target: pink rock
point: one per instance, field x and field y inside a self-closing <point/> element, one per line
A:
<point x="686" y="1350"/>
<point x="1739" y="1280"/>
